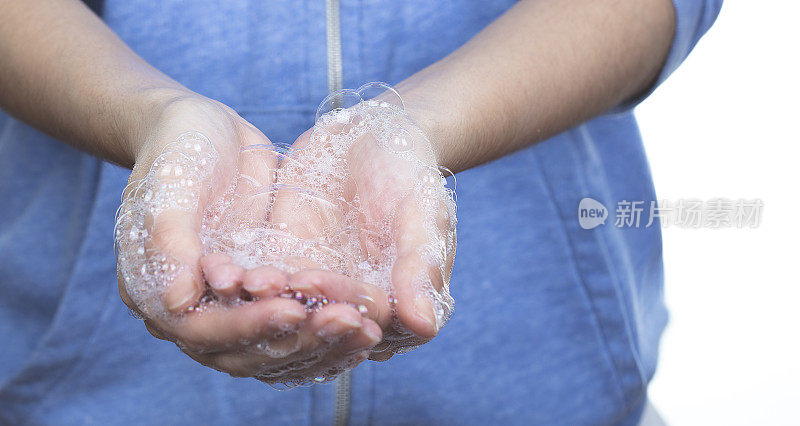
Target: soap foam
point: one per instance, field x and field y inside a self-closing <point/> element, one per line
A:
<point x="335" y="203"/>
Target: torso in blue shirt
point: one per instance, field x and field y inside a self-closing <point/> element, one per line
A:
<point x="554" y="324"/>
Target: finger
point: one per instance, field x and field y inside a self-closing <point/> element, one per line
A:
<point x="235" y="364"/>
<point x="364" y="339"/>
<point x="334" y="321"/>
<point x="209" y="261"/>
<point x="156" y="332"/>
<point x="265" y="281"/>
<point x="327" y="326"/>
<point x="445" y="225"/>
<point x="348" y="352"/>
<point x="226" y="279"/>
<point x="218" y="327"/>
<point x="310" y="207"/>
<point x="257" y="161"/>
<point x="265" y="356"/>
<point x="312" y="181"/>
<point x="412" y="272"/>
<point x="177" y="187"/>
<point x="301" y="213"/>
<point x="256" y="166"/>
<point x="414" y="304"/>
<point x="344" y="289"/>
<point x="174" y="235"/>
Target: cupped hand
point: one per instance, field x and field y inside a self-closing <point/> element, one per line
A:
<point x="287" y="266"/>
<point x="193" y="163"/>
<point x="364" y="182"/>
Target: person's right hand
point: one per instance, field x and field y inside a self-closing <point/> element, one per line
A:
<point x="190" y="160"/>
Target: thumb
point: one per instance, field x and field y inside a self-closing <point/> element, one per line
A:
<point x="157" y="231"/>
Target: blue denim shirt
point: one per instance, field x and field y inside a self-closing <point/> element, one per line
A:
<point x="554" y="324"/>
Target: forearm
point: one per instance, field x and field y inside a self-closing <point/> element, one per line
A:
<point x="64" y="72"/>
<point x="541" y="68"/>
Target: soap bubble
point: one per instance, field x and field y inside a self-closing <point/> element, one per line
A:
<point x="335" y="106"/>
<point x="380" y="94"/>
<point x="399" y="141"/>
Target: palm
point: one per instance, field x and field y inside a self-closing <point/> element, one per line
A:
<point x="363" y="182"/>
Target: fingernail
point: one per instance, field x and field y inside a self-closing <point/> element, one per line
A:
<point x="258" y="285"/>
<point x="187" y="298"/>
<point x="214" y="259"/>
<point x="183" y="283"/>
<point x="337" y="327"/>
<point x="287" y="320"/>
<point x="373" y="340"/>
<point x="303" y="287"/>
<point x="221" y="285"/>
<point x="422" y="305"/>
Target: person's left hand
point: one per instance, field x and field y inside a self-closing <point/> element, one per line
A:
<point x="365" y="181"/>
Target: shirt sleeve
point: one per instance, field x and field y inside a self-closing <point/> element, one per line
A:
<point x="693" y="19"/>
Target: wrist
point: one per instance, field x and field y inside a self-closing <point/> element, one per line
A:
<point x="431" y="115"/>
<point x="144" y="112"/>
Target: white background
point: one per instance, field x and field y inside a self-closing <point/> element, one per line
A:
<point x="726" y="125"/>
